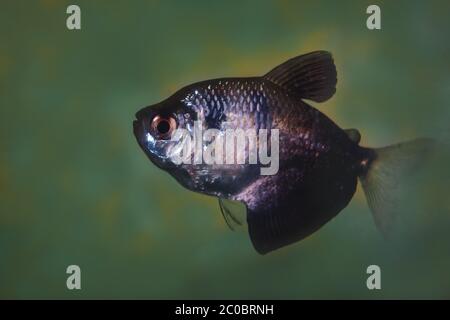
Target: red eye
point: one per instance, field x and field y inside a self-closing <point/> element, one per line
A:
<point x="162" y="127"/>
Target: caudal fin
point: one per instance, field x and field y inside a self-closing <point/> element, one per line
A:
<point x="388" y="168"/>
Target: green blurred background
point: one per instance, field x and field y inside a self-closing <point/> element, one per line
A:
<point x="75" y="188"/>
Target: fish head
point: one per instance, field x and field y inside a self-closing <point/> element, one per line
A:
<point x="160" y="131"/>
<point x="155" y="126"/>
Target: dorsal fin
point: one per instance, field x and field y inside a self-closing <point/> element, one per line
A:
<point x="312" y="76"/>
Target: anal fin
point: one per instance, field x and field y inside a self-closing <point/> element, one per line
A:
<point x="287" y="207"/>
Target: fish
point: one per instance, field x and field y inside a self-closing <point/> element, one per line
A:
<point x="319" y="163"/>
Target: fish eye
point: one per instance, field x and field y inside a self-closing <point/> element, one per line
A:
<point x="162" y="127"/>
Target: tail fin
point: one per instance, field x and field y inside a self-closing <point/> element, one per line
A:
<point x="382" y="176"/>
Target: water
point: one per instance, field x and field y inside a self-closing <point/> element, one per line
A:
<point x="76" y="189"/>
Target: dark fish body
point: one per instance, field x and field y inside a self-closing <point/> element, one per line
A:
<point x="319" y="163"/>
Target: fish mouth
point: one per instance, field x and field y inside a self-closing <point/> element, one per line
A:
<point x="138" y="131"/>
<point x="135" y="125"/>
<point x="139" y="127"/>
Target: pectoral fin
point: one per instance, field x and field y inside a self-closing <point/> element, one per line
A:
<point x="233" y="213"/>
